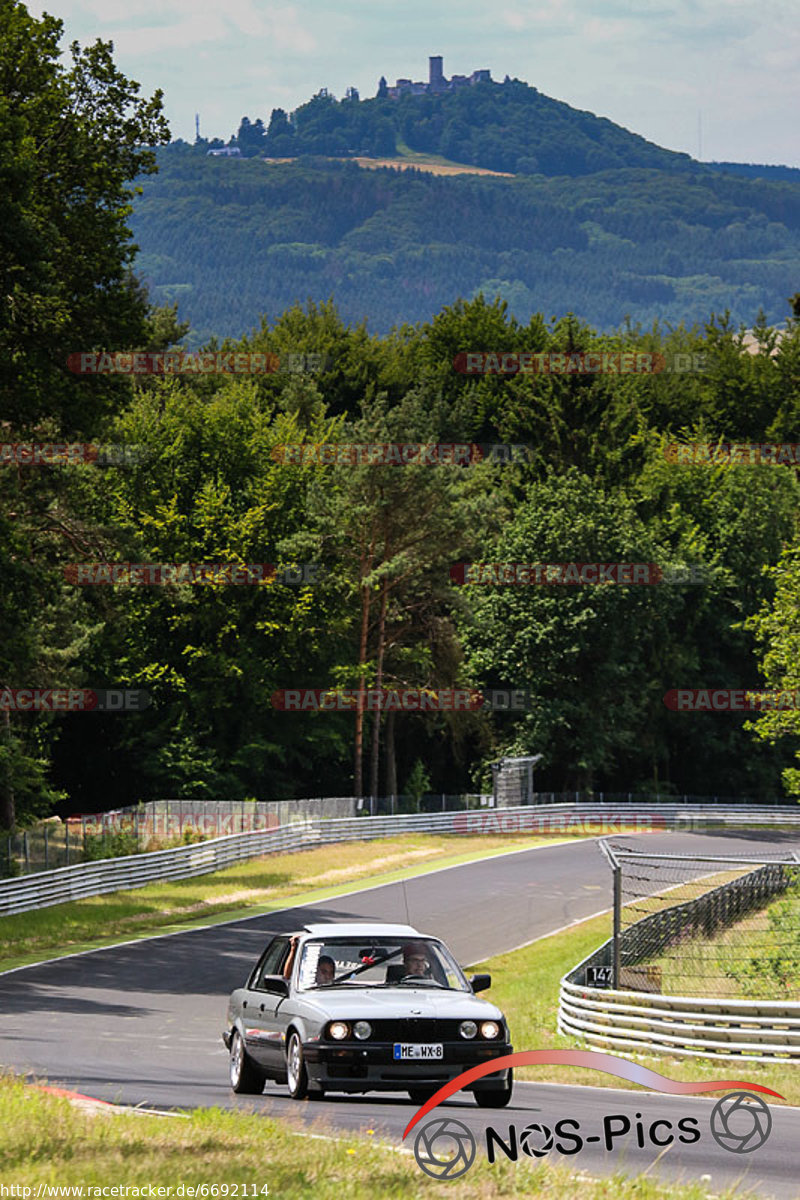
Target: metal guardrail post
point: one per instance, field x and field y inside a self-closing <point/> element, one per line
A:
<point x="617" y="923"/>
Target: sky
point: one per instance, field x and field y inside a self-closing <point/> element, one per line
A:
<point x="713" y="78"/>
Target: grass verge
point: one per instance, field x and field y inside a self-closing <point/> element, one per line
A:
<point x="247" y="888"/>
<point x="525" y="986"/>
<point x="48" y="1141"/>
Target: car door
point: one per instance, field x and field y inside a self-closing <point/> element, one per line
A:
<point x="262" y="1037"/>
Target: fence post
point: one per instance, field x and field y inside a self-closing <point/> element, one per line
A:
<point x="617" y="922"/>
<point x="46" y="849"/>
<point x="25" y="848"/>
<point x="66" y="843"/>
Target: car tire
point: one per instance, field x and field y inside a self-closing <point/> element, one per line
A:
<point x="246" y="1078"/>
<point x="421" y="1095"/>
<point x="497" y="1097"/>
<point x="296" y="1073"/>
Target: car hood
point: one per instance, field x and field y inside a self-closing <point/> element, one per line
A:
<point x="356" y="1003"/>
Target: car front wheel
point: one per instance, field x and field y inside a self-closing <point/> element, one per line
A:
<point x="245" y="1075"/>
<point x="296" y="1073"/>
<point x="497" y="1097"/>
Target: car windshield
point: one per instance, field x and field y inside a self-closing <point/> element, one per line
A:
<point x="379" y="962"/>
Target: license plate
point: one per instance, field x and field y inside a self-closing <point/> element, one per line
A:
<point x="403" y="1050"/>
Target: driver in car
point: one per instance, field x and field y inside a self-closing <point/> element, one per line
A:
<point x="416" y="961"/>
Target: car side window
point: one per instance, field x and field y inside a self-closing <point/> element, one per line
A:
<point x="273" y="960"/>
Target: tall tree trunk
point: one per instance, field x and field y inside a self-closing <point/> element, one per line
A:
<point x="376" y="728"/>
<point x="358" y="784"/>
<point x="391" y="761"/>
<point x="8" y="814"/>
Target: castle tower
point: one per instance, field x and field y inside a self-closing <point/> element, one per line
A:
<point x="436" y="73"/>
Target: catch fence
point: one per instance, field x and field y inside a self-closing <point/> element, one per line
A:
<point x="706" y="925"/>
<point x="704" y="959"/>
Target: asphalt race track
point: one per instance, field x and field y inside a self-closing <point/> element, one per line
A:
<point x="141" y="1023"/>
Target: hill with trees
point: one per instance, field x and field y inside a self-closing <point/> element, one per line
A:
<point x="229" y="239"/>
<point x="502" y="126"/>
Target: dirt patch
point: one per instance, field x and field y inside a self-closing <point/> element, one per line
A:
<point x="375" y="864"/>
<point x="405" y="164"/>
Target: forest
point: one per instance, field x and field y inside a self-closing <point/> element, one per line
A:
<point x="208" y="481"/>
<point x="229" y="239"/>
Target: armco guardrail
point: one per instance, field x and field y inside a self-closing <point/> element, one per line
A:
<point x="685" y="1026"/>
<point x="114" y="874"/>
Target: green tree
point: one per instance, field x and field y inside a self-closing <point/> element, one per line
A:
<point x="777" y="631"/>
<point x="71" y="142"/>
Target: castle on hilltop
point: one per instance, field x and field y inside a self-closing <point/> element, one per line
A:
<point x="436" y="81"/>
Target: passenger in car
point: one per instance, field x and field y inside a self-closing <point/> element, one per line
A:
<point x="287" y="966"/>
<point x="326" y="969"/>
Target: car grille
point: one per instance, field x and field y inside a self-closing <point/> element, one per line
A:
<point x="416" y="1029"/>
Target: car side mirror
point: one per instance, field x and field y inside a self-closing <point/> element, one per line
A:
<point x="274" y="983"/>
<point x="479" y="983"/>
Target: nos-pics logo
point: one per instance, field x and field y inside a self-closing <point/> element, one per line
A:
<point x="445" y="1148"/>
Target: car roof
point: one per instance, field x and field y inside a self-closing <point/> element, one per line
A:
<point x="361" y="929"/>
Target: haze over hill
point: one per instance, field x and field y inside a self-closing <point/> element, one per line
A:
<point x="598" y="221"/>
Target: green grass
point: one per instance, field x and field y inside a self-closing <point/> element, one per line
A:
<point x="256" y="885"/>
<point x="525" y="986"/>
<point x="48" y="1141"/>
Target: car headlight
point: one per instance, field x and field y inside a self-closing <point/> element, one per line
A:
<point x="362" y="1029"/>
<point x="468" y="1029"/>
<point x="490" y="1029"/>
<point x="339" y="1030"/>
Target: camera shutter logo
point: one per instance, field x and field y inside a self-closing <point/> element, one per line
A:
<point x="532" y="1136"/>
<point x="444" y="1148"/>
<point x="741" y="1122"/>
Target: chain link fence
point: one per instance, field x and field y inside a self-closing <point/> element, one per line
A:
<point x="727" y="927"/>
<point x="161" y="824"/>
